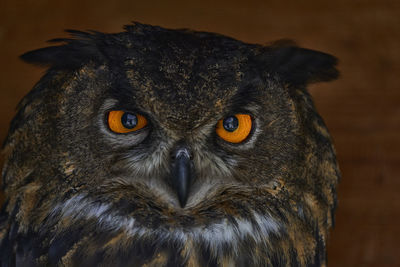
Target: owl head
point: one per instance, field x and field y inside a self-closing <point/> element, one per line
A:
<point x="158" y="146"/>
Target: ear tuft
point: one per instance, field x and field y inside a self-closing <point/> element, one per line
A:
<point x="298" y="65"/>
<point x="77" y="50"/>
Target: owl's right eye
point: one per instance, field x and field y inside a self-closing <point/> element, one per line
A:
<point x="125" y="122"/>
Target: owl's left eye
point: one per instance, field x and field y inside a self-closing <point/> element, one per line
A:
<point x="125" y="122"/>
<point x="234" y="129"/>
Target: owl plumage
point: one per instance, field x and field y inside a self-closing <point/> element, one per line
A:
<point x="174" y="192"/>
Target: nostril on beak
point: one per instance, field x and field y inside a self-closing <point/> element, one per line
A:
<point x="181" y="151"/>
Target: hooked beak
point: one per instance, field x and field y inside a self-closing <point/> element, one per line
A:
<point x="181" y="173"/>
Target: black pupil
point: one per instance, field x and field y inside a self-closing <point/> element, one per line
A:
<point x="129" y="120"/>
<point x="230" y="123"/>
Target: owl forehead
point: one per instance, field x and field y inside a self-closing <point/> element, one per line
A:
<point x="179" y="76"/>
<point x="187" y="100"/>
<point x="184" y="86"/>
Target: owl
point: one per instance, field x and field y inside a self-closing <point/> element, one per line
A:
<point x="160" y="147"/>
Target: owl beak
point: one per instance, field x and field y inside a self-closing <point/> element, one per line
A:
<point x="181" y="173"/>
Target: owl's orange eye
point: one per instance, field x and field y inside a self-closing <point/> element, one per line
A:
<point x="234" y="129"/>
<point x="125" y="122"/>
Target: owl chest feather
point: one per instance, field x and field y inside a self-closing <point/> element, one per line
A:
<point x="80" y="232"/>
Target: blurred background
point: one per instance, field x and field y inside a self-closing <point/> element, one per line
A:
<point x="361" y="109"/>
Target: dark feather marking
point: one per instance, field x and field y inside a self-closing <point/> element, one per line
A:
<point x="293" y="256"/>
<point x="320" y="250"/>
<point x="62" y="243"/>
<point x="205" y="256"/>
<point x="7" y="244"/>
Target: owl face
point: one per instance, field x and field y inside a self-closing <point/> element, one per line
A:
<point x="155" y="136"/>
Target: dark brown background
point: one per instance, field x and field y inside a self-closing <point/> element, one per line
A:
<point x="362" y="109"/>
